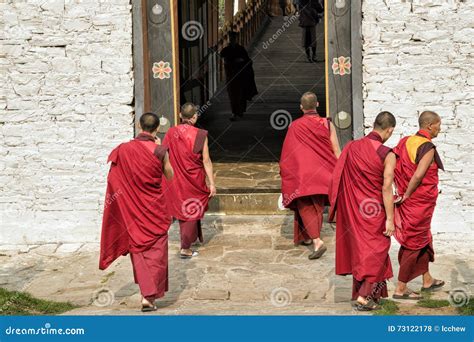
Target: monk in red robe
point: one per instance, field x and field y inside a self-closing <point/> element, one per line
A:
<point x="187" y="193"/>
<point x="361" y="196"/>
<point x="416" y="177"/>
<point x="309" y="153"/>
<point x="136" y="220"/>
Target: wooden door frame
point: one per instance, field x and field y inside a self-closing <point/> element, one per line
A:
<point x="351" y="46"/>
<point x="143" y="74"/>
<point x="145" y="84"/>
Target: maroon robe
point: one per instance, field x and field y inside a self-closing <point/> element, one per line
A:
<point x="187" y="193"/>
<point x="135" y="217"/>
<point x="306" y="164"/>
<point x="413" y="216"/>
<point x="356" y="198"/>
<point x="308" y="218"/>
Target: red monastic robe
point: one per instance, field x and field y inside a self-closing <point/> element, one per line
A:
<point x="356" y="197"/>
<point x="307" y="159"/>
<point x="413" y="216"/>
<point x="135" y="217"/>
<point x="187" y="193"/>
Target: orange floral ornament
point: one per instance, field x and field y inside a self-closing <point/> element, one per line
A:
<point x="341" y="65"/>
<point x="161" y="70"/>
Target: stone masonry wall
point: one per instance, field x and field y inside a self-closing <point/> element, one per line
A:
<point x="65" y="102"/>
<point x="67" y="90"/>
<point x="418" y="55"/>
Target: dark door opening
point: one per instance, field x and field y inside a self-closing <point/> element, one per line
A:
<point x="282" y="74"/>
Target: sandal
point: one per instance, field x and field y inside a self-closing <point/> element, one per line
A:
<point x="436" y="285"/>
<point x="189" y="256"/>
<point x="408" y="295"/>
<point x="370" y="306"/>
<point x="317" y="254"/>
<point x="148" y="308"/>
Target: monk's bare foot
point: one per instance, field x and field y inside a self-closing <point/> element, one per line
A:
<point x="435" y="284"/>
<point x="318" y="243"/>
<point x="363" y="304"/>
<point x="362" y="300"/>
<point x="407" y="294"/>
<point x="188" y="253"/>
<point x="427" y="279"/>
<point x="148" y="306"/>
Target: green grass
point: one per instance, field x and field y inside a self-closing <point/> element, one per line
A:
<point x="389" y="307"/>
<point x="468" y="309"/>
<point x="22" y="303"/>
<point x="433" y="303"/>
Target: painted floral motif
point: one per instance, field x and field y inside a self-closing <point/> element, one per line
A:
<point x="161" y="70"/>
<point x="341" y="65"/>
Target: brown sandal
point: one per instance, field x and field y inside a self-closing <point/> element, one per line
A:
<point x="408" y="295"/>
<point x="370" y="306"/>
<point x="436" y="285"/>
<point x="317" y="254"/>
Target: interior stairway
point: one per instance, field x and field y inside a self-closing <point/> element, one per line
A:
<point x="246" y="152"/>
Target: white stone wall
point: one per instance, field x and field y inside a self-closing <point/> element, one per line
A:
<point x="65" y="102"/>
<point x="418" y="55"/>
<point x="67" y="89"/>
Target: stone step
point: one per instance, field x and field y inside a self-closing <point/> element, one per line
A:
<point x="243" y="202"/>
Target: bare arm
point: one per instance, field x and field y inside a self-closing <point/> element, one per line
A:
<point x="334" y="140"/>
<point x="420" y="172"/>
<point x="206" y="158"/>
<point x="167" y="168"/>
<point x="388" y="174"/>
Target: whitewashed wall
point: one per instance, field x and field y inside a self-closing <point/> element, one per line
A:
<point x="65" y="98"/>
<point x="67" y="86"/>
<point x="418" y="55"/>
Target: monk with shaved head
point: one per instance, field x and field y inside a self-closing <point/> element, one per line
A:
<point x="136" y="220"/>
<point x="309" y="153"/>
<point x="362" y="198"/>
<point x="416" y="176"/>
<point x="188" y="193"/>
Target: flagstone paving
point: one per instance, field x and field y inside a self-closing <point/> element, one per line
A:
<point x="247" y="265"/>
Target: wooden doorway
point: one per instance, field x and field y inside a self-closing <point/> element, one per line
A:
<point x="169" y="69"/>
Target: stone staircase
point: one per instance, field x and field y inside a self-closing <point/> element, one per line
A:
<point x="247" y="189"/>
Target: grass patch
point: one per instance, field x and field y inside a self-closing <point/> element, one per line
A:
<point x="24" y="304"/>
<point x="433" y="303"/>
<point x="468" y="309"/>
<point x="389" y="307"/>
